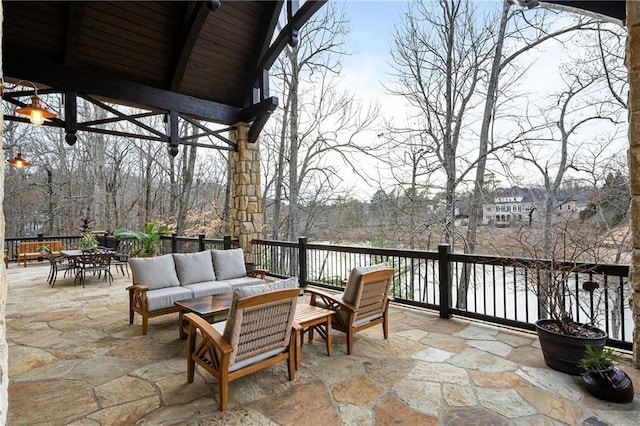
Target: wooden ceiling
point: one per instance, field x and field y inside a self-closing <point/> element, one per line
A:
<point x="614" y="9"/>
<point x="205" y="59"/>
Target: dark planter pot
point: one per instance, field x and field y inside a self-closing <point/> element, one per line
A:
<point x="611" y="384"/>
<point x="562" y="352"/>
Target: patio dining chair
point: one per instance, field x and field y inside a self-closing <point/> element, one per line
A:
<point x="56" y="266"/>
<point x="120" y="259"/>
<point x="95" y="262"/>
<point x="364" y="303"/>
<point x="256" y="335"/>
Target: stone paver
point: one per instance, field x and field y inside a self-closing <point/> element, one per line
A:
<point x="75" y="360"/>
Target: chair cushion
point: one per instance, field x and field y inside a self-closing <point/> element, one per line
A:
<point x="154" y="272"/>
<point x="241" y="292"/>
<point x="219" y="326"/>
<point x="242" y="282"/>
<point x="165" y="297"/>
<point x="263" y="288"/>
<point x="194" y="267"/>
<point x="208" y="288"/>
<point x="351" y="290"/>
<point x="228" y="264"/>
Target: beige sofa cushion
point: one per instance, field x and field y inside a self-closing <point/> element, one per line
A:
<point x="194" y="268"/>
<point x="228" y="264"/>
<point x="154" y="272"/>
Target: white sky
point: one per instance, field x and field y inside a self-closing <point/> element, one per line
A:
<point x="371" y="27"/>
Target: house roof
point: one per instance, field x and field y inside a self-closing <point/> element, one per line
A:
<point x="204" y="59"/>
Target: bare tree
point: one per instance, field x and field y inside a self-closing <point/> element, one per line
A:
<point x="319" y="120"/>
<point x="439" y="55"/>
<point x="574" y="109"/>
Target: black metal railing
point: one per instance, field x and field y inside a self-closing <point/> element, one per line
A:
<point x="168" y="244"/>
<point x="499" y="289"/>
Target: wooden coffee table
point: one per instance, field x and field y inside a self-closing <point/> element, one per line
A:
<point x="312" y="318"/>
<point x="207" y="307"/>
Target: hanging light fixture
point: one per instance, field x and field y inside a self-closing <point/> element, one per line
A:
<point x="36" y="112"/>
<point x="18" y="161"/>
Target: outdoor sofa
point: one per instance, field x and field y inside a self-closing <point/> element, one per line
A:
<point x="160" y="281"/>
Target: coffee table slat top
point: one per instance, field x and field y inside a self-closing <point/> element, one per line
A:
<point x="306" y="313"/>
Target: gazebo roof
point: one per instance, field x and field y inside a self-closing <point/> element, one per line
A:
<point x="207" y="60"/>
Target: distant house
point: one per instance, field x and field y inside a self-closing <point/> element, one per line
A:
<point x="571" y="205"/>
<point x="526" y="205"/>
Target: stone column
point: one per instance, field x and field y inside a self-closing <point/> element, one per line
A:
<point x="633" y="66"/>
<point x="246" y="201"/>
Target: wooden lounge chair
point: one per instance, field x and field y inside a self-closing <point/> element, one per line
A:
<point x="364" y="303"/>
<point x="256" y="335"/>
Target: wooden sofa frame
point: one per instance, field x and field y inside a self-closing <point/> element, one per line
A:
<point x="138" y="301"/>
<point x="31" y="250"/>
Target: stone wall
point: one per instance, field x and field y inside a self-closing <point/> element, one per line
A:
<point x="4" y="349"/>
<point x="633" y="65"/>
<point x="246" y="202"/>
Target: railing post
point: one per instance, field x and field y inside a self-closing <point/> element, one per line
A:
<point x="446" y="280"/>
<point x="227" y="242"/>
<point x="201" y="242"/>
<point x="40" y="237"/>
<point x="174" y="243"/>
<point x="302" y="261"/>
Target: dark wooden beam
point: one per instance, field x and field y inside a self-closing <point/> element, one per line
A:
<point x="194" y="21"/>
<point x="70" y="116"/>
<point x="268" y="29"/>
<point x="174" y="133"/>
<point x="292" y="9"/>
<point x="308" y="9"/>
<point x="74" y="17"/>
<point x="120" y="91"/>
<point x="259" y="114"/>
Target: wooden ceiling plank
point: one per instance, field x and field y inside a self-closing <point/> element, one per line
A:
<point x="148" y="16"/>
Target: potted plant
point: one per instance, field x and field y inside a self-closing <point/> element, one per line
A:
<point x="603" y="379"/>
<point x="88" y="242"/>
<point x="563" y="341"/>
<point x="148" y="239"/>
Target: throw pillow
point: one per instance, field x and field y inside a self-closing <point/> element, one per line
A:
<point x="228" y="264"/>
<point x="194" y="268"/>
<point x="154" y="272"/>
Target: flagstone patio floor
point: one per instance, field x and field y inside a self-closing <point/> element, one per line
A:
<point x="74" y="359"/>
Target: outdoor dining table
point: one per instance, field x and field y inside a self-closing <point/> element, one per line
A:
<point x="78" y="258"/>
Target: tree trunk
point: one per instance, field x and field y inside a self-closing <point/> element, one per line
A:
<point x="478" y="188"/>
